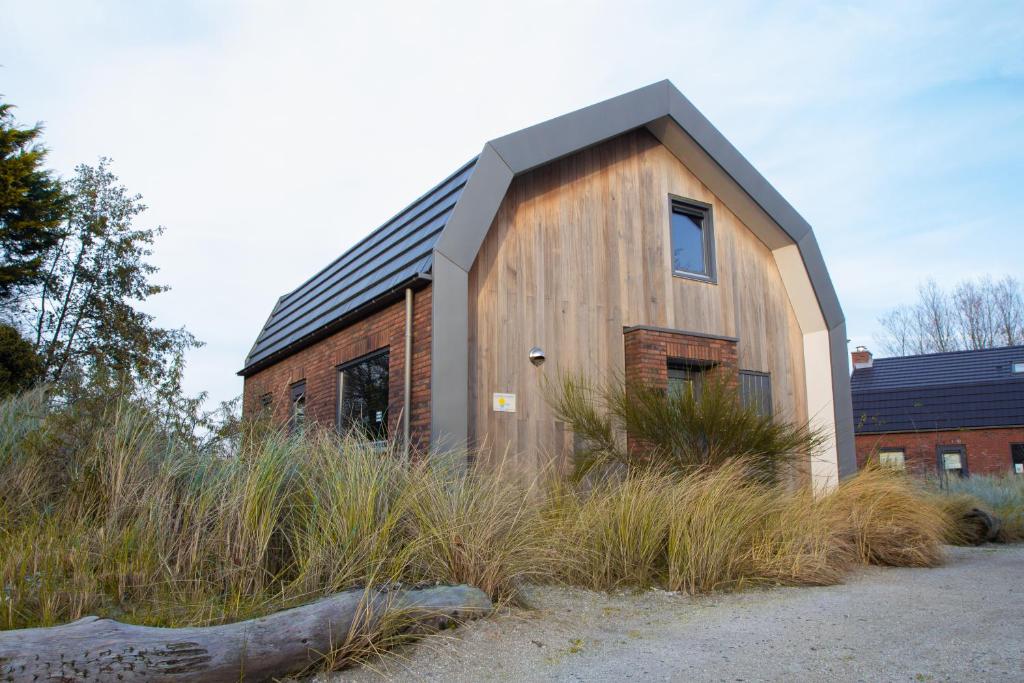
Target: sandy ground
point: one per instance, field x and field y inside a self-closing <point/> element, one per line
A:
<point x="960" y="622"/>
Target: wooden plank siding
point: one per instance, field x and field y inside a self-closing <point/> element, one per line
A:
<point x="579" y="250"/>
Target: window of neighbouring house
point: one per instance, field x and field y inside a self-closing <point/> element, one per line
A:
<point x="1018" y="366"/>
<point x="1017" y="457"/>
<point x="892" y="457"/>
<point x="363" y="396"/>
<point x="953" y="461"/>
<point x="756" y="390"/>
<point x="686" y="376"/>
<point x="692" y="239"/>
<point x="297" y="397"/>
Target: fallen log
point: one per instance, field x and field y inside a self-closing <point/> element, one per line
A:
<point x="290" y="641"/>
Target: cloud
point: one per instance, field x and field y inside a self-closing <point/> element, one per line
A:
<point x="268" y="137"/>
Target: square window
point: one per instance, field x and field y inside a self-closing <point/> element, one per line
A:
<point x="363" y="397"/>
<point x="693" y="240"/>
<point x="892" y="457"/>
<point x="952" y="461"/>
<point x="1018" y="367"/>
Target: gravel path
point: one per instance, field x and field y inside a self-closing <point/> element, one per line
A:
<point x="960" y="622"/>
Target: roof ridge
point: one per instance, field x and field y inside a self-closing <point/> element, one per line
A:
<point x="948" y="353"/>
<point x="385" y="224"/>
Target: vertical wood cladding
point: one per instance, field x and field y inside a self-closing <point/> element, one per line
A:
<point x="580" y="250"/>
<point x="317" y="365"/>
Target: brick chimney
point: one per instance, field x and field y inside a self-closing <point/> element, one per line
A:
<point x="861" y="357"/>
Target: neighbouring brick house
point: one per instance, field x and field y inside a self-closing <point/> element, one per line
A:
<point x="627" y="238"/>
<point x="960" y="412"/>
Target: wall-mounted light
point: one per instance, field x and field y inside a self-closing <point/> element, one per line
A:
<point x="537" y="356"/>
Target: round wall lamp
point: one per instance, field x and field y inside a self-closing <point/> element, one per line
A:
<point x="537" y="356"/>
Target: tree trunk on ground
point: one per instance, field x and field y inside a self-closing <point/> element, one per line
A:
<point x="94" y="649"/>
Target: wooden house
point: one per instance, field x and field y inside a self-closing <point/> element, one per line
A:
<point x="627" y="238"/>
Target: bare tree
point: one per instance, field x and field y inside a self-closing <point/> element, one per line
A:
<point x="974" y="314"/>
<point x="1008" y="304"/>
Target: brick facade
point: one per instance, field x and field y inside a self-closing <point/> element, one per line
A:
<point x="648" y="351"/>
<point x="988" y="450"/>
<point x="317" y="365"/>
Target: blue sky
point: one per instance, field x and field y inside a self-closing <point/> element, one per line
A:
<point x="268" y="137"/>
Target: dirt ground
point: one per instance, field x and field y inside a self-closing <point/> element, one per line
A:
<point x="960" y="622"/>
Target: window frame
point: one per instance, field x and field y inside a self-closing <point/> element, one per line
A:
<point x="1014" y="364"/>
<point x="1018" y="447"/>
<point x="942" y="449"/>
<point x="296" y="391"/>
<point x="688" y="370"/>
<point x="339" y="389"/>
<point x="893" y="449"/>
<point x="702" y="210"/>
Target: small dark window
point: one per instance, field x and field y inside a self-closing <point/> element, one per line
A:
<point x="1017" y="457"/>
<point x="756" y="390"/>
<point x="297" y="397"/>
<point x="693" y="240"/>
<point x="686" y="376"/>
<point x="266" y="401"/>
<point x="363" y="396"/>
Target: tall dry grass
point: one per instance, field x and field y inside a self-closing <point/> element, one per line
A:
<point x="128" y="524"/>
<point x="116" y="519"/>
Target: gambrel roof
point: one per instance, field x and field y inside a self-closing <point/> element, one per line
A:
<point x="444" y="252"/>
<point x="392" y="257"/>
<point x="939" y="391"/>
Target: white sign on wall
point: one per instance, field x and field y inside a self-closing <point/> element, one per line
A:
<point x="504" y="403"/>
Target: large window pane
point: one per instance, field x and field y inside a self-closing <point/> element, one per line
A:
<point x="692" y="235"/>
<point x="363" y="405"/>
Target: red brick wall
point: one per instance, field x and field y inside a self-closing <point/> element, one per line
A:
<point x="988" y="450"/>
<point x="317" y="365"/>
<point x="647" y="352"/>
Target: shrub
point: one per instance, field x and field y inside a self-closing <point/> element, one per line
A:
<point x="682" y="431"/>
<point x="613" y="534"/>
<point x="1001" y="495"/>
<point x="115" y="518"/>
<point x="727" y="532"/>
<point x="125" y="521"/>
<point x="888" y="519"/>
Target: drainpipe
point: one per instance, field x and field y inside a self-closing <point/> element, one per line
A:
<point x="407" y="398"/>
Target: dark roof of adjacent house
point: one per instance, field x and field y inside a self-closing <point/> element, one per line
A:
<point x="939" y="391"/>
<point x="392" y="257"/>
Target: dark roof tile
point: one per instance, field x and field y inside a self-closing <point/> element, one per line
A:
<point x="957" y="390"/>
<point x="395" y="254"/>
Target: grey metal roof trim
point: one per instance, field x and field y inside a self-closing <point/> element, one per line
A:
<point x="395" y="255"/>
<point x="663" y="110"/>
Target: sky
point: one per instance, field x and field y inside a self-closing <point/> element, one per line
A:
<point x="268" y="137"/>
